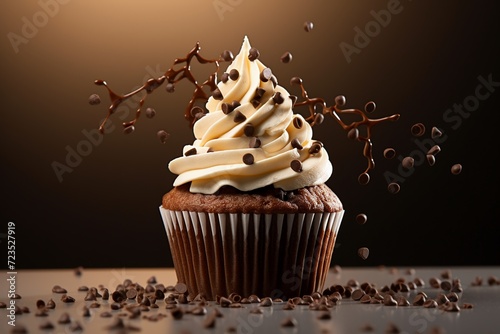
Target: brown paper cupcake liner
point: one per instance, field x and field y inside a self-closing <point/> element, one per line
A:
<point x="277" y="255"/>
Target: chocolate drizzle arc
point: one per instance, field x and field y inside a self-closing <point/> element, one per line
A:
<point x="173" y="75"/>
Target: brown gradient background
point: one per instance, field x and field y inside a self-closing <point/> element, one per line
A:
<point x="105" y="212"/>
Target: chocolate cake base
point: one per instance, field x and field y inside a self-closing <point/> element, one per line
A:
<point x="281" y="255"/>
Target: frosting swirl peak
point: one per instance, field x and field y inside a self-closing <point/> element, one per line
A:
<point x="250" y="137"/>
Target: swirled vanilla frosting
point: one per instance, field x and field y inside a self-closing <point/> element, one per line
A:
<point x="251" y="138"/>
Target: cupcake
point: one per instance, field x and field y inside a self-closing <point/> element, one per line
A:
<point x="250" y="212"/>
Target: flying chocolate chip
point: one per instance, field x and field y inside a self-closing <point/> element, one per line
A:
<point x="163" y="136"/>
<point x="340" y="101"/>
<point x="94" y="99"/>
<point x="150" y="112"/>
<point x="393" y="188"/>
<point x="370" y="107"/>
<point x="308" y="26"/>
<point x="286" y="57"/>
<point x="408" y="162"/>
<point x="128" y="129"/>
<point x="435" y="132"/>
<point x="389" y="153"/>
<point x="418" y="129"/>
<point x="170" y="87"/>
<point x="361" y="218"/>
<point x="227" y="55"/>
<point x="363" y="252"/>
<point x="353" y="134"/>
<point x="456" y="169"/>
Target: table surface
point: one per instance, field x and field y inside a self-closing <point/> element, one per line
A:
<point x="348" y="316"/>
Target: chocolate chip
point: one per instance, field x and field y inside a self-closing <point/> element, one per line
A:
<point x="296" y="144"/>
<point x="370" y="107"/>
<point x="67" y="299"/>
<point x="289" y="306"/>
<point x="199" y="310"/>
<point x="210" y="321"/>
<point x="297" y="123"/>
<point x="353" y="134"/>
<point x="224" y="302"/>
<point x="289" y="322"/>
<point x="64" y="318"/>
<point x="239" y="117"/>
<point x="389" y="153"/>
<point x="402" y="301"/>
<point x="296" y="166"/>
<point x="357" y="294"/>
<point x="419" y="300"/>
<point x="318" y="119"/>
<point x="249" y="130"/>
<point x="389" y="300"/>
<point x="170" y="87"/>
<point x="456" y="169"/>
<point x="467" y="306"/>
<point x="150" y="112"/>
<point x="452" y="297"/>
<point x="452" y="307"/>
<point x="58" y="289"/>
<point x="364" y="178"/>
<point x="278" y="98"/>
<point x="267" y="301"/>
<point x="254" y="142"/>
<point x="340" y="100"/>
<point x="94" y="305"/>
<point x="445" y="285"/>
<point x="105" y="294"/>
<point x="51" y="304"/>
<point x="418" y="129"/>
<point x="430" y="303"/>
<point x="90" y="296"/>
<point x="392" y="329"/>
<point x="94" y="99"/>
<point x="248" y="159"/>
<point x="436" y="133"/>
<point x="234" y="74"/>
<point x="46" y="325"/>
<point x="83" y="288"/>
<point x="434" y="150"/>
<point x="163" y="136"/>
<point x="408" y="162"/>
<point x="226" y="108"/>
<point x="363" y="252"/>
<point x="308" y="26"/>
<point x="217" y="94"/>
<point x="191" y="151"/>
<point x="393" y="188"/>
<point x="286" y="57"/>
<point x="131" y="293"/>
<point x="227" y="55"/>
<point x="315" y="147"/>
<point x="431" y="160"/>
<point x="361" y="218"/>
<point x="177" y="313"/>
<point x="253" y="54"/>
<point x="266" y="74"/>
<point x="128" y="129"/>
<point x="85" y="311"/>
<point x="435" y="282"/>
<point x="224" y="77"/>
<point x="118" y="296"/>
<point x="419" y="282"/>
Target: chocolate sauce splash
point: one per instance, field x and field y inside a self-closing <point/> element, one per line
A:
<point x="171" y="76"/>
<point x="335" y="110"/>
<point x="317" y="106"/>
